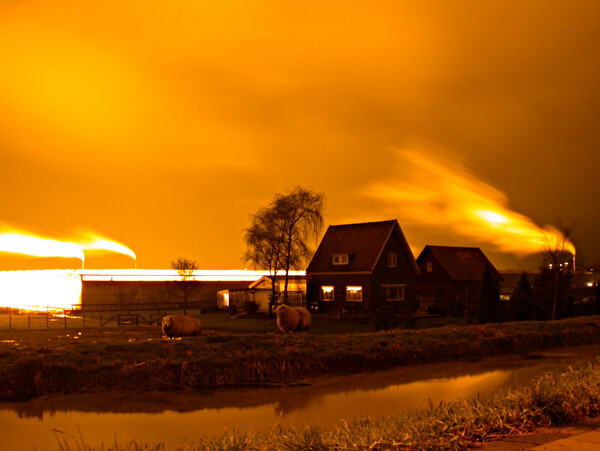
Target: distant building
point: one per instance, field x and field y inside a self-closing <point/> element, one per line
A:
<point x="261" y="291"/>
<point x="358" y="267"/>
<point x="451" y="275"/>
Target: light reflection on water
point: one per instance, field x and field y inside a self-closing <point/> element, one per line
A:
<point x="176" y="417"/>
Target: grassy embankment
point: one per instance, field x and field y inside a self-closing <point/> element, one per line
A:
<point x="551" y="400"/>
<point x="220" y="359"/>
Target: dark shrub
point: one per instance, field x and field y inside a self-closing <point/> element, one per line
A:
<point x="385" y="318"/>
<point x="251" y="307"/>
<point x="406" y="321"/>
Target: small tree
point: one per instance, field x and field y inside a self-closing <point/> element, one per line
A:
<point x="489" y="299"/>
<point x="557" y="254"/>
<point x="523" y="304"/>
<point x="186" y="269"/>
<point x="553" y="290"/>
<point x="126" y="295"/>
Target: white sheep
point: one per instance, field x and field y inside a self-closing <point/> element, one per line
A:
<point x="181" y="326"/>
<point x="296" y="319"/>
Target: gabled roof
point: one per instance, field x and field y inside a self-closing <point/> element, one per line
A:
<point x="363" y="243"/>
<point x="280" y="278"/>
<point x="461" y="263"/>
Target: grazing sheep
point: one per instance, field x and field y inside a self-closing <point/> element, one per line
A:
<point x="296" y="319"/>
<point x="181" y="326"/>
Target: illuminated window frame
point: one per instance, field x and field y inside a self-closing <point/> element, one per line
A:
<point x="429" y="267"/>
<point x="354" y="294"/>
<point x="326" y="293"/>
<point x="339" y="259"/>
<point x="392" y="260"/>
<point x="394" y="293"/>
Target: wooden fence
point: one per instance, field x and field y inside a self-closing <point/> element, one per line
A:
<point x="54" y="320"/>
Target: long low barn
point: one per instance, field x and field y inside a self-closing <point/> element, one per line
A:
<point x="156" y="289"/>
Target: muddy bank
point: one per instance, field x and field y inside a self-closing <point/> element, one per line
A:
<point x="76" y="364"/>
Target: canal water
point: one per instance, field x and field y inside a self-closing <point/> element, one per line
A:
<point x="176" y="417"/>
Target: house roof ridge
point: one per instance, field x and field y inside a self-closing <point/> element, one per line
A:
<point x="364" y="223"/>
<point x="461" y="262"/>
<point x="452" y="247"/>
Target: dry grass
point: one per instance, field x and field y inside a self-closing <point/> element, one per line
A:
<point x="77" y="363"/>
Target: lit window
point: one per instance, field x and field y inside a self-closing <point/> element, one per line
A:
<point x="223" y="298"/>
<point x="393" y="292"/>
<point x="429" y="267"/>
<point x="354" y="294"/>
<point x="392" y="260"/>
<point x="326" y="293"/>
<point x="339" y="259"/>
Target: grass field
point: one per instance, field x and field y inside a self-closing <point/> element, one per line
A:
<point x="218" y="321"/>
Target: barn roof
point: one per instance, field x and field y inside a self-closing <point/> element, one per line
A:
<point x="363" y="243"/>
<point x="461" y="263"/>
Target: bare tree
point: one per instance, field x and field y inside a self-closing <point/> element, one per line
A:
<point x="558" y="256"/>
<point x="264" y="241"/>
<point x="186" y="269"/>
<point x="300" y="212"/>
<point x="278" y="238"/>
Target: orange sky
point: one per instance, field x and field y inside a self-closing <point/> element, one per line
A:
<point x="164" y="125"/>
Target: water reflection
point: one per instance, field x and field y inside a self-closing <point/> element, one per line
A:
<point x="178" y="417"/>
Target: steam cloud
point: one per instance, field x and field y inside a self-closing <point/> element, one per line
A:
<point x="13" y="240"/>
<point x="437" y="191"/>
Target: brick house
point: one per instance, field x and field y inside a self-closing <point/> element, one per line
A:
<point x="451" y="275"/>
<point x="358" y="267"/>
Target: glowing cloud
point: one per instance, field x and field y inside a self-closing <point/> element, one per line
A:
<point x="438" y="192"/>
<point x="20" y="242"/>
<point x="28" y="244"/>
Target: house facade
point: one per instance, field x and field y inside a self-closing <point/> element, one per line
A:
<point x="358" y="267"/>
<point x="451" y="276"/>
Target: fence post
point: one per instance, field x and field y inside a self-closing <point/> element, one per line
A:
<point x="65" y="315"/>
<point x="83" y="320"/>
<point x="29" y="321"/>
